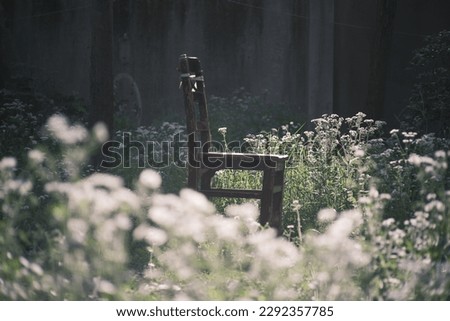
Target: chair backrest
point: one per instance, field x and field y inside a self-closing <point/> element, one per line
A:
<point x="193" y="85"/>
<point x="201" y="171"/>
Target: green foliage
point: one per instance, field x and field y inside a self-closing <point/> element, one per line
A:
<point x="326" y="167"/>
<point x="334" y="165"/>
<point x="429" y="105"/>
<point x="410" y="258"/>
<point x="392" y="173"/>
<point x="22" y="116"/>
<point x="174" y="173"/>
<point x="64" y="234"/>
<point x="81" y="251"/>
<point x="243" y="113"/>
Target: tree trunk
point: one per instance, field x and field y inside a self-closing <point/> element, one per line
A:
<point x="380" y="57"/>
<point x="4" y="70"/>
<point x="320" y="58"/>
<point x="101" y="70"/>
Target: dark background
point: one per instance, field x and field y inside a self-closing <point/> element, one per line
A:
<point x="316" y="56"/>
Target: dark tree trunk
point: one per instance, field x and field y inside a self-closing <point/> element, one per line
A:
<point x="4" y="70"/>
<point x="380" y="57"/>
<point x="101" y="71"/>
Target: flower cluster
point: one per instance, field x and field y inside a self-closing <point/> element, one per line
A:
<point x="94" y="238"/>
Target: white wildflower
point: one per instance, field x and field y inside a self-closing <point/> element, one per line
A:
<point x="105" y="180"/>
<point x="380" y="123"/>
<point x="152" y="235"/>
<point x="104" y="286"/>
<point x="123" y="222"/>
<point x="225" y="229"/>
<point x="162" y="216"/>
<point x="8" y="163"/>
<point x="150" y="179"/>
<point x="60" y="129"/>
<point x="278" y="252"/>
<point x="246" y="211"/>
<point x="364" y="200"/>
<point x="319" y="120"/>
<point x="388" y="222"/>
<point x="429" y="169"/>
<point x="36" y="156"/>
<point x="100" y="132"/>
<point x="222" y="131"/>
<point x="346" y="223"/>
<point x="296" y="206"/>
<point x="373" y="192"/>
<point x="326" y="215"/>
<point x="409" y="134"/>
<point x="397" y="235"/>
<point x="25" y="187"/>
<point x="431" y="196"/>
<point x="36" y="269"/>
<point x="359" y="152"/>
<point x="435" y="204"/>
<point x="126" y="196"/>
<point x="78" y="229"/>
<point x="415" y="159"/>
<point x="428" y="160"/>
<point x="196" y="200"/>
<point x="24" y="262"/>
<point x="103" y="203"/>
<point x="385" y="196"/>
<point x="439" y="154"/>
<point x="107" y="231"/>
<point x="394" y="281"/>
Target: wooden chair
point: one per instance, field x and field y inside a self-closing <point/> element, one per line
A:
<point x="203" y="163"/>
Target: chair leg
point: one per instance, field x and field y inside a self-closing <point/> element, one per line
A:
<point x="206" y="176"/>
<point x="192" y="177"/>
<point x="277" y="212"/>
<point x="272" y="199"/>
<point x="266" y="199"/>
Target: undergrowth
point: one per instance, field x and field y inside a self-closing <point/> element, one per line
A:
<point x="68" y="235"/>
